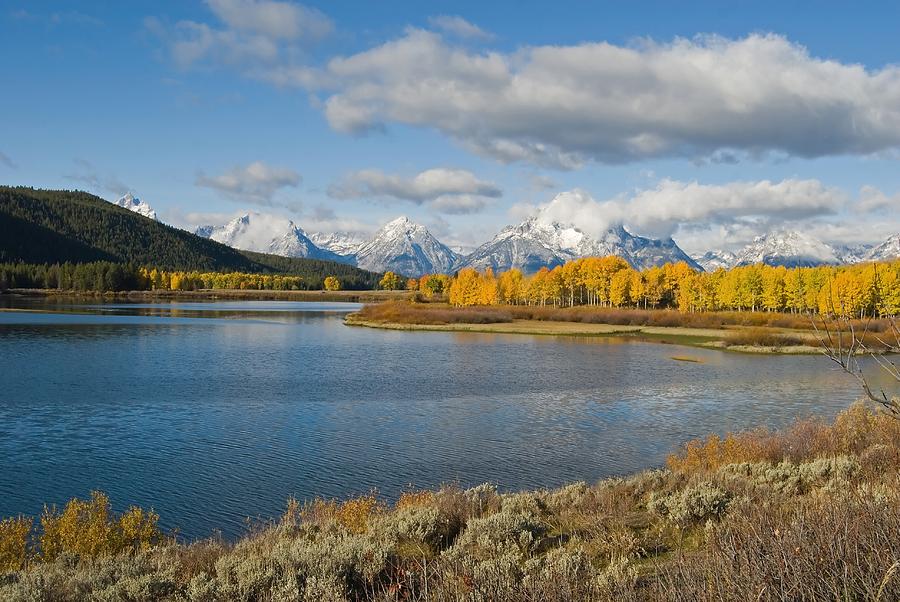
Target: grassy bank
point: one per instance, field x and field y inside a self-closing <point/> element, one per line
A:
<point x="223" y="295"/>
<point x="736" y="331"/>
<point x="812" y="512"/>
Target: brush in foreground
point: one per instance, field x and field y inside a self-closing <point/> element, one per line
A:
<point x="812" y="512"/>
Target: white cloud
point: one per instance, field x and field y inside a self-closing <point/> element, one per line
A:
<point x="670" y="205"/>
<point x="706" y="98"/>
<point x="445" y="190"/>
<point x="873" y="200"/>
<point x="274" y="20"/>
<point x="259" y="36"/>
<point x="727" y="216"/>
<point x="255" y="183"/>
<point x="459" y="27"/>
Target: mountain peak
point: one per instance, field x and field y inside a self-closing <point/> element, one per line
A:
<point x="539" y="241"/>
<point x="132" y="203"/>
<point x="402" y="225"/>
<point x="399" y="221"/>
<point x="889" y="249"/>
<point x="789" y="248"/>
<point x="266" y="234"/>
<point x="405" y="247"/>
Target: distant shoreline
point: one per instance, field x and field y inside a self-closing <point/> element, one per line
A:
<point x="705" y="338"/>
<point x="223" y="294"/>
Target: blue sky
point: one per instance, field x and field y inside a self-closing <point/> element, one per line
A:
<point x="706" y="123"/>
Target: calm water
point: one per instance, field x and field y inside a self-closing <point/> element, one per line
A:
<point x="210" y="412"/>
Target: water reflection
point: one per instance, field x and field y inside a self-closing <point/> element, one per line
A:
<point x="210" y="412"/>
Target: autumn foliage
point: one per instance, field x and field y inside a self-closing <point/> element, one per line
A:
<point x="154" y="279"/>
<point x="808" y="513"/>
<point x="83" y="529"/>
<point x="850" y="290"/>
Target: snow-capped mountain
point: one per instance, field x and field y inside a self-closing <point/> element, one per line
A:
<point x="787" y="248"/>
<point x="851" y="253"/>
<point x="407" y="248"/>
<point x="342" y="243"/>
<point x="796" y="249"/>
<point x="267" y="234"/>
<point x="536" y="243"/>
<point x="713" y="260"/>
<point x="135" y="204"/>
<point x="889" y="249"/>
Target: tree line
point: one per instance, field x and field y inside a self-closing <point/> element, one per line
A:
<point x="107" y="276"/>
<point x="52" y="227"/>
<point x="847" y="290"/>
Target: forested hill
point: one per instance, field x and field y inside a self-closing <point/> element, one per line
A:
<point x="58" y="226"/>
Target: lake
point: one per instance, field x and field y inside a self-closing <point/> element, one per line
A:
<point x="213" y="412"/>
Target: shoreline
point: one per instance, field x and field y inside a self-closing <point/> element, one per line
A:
<point x="816" y="493"/>
<point x="217" y="295"/>
<point x="702" y="338"/>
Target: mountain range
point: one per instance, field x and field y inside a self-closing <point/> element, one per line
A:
<point x="537" y="242"/>
<point x="58" y="226"/>
<point x="790" y="248"/>
<point x="407" y="248"/>
<point x="267" y="234"/>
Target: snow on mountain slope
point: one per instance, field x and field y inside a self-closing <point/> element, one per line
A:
<point x="851" y="253"/>
<point x="713" y="260"/>
<point x="538" y="242"/>
<point x="342" y="243"/>
<point x="407" y="248"/>
<point x="889" y="249"/>
<point x="267" y="234"/>
<point x="135" y="204"/>
<point x="787" y="248"/>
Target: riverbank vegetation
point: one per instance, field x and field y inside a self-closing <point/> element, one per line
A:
<point x="741" y="331"/>
<point x="103" y="276"/>
<point x="851" y="290"/>
<point x="810" y="512"/>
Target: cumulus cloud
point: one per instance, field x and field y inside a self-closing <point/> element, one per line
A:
<point x="707" y="98"/>
<point x="670" y="205"/>
<point x="459" y="27"/>
<point x="873" y="200"/>
<point x="445" y="190"/>
<point x="274" y="20"/>
<point x="255" y="183"/>
<point x="259" y="36"/>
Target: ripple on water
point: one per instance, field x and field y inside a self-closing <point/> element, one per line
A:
<point x="213" y="412"/>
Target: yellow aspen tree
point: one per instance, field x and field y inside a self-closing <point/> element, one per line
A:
<point x="619" y="287"/>
<point x="465" y="288"/>
<point x="488" y="293"/>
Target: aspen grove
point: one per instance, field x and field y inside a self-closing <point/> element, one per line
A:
<point x="847" y="290"/>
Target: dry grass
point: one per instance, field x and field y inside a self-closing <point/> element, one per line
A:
<point x="808" y="513"/>
<point x="765" y="337"/>
<point x="400" y="312"/>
